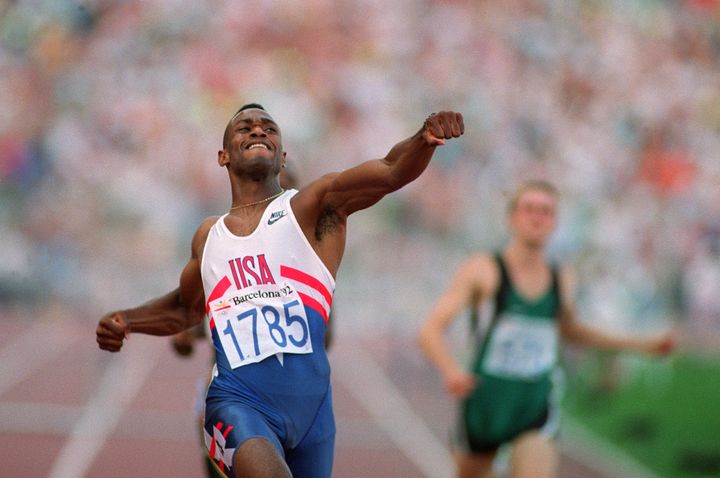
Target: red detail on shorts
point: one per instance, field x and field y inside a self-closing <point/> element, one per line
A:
<point x="211" y="451"/>
<point x="219" y="427"/>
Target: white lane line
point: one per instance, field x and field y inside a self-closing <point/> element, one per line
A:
<point x="27" y="352"/>
<point x="37" y="418"/>
<point x="53" y="419"/>
<point x="118" y="386"/>
<point x="372" y="388"/>
<point x="581" y="443"/>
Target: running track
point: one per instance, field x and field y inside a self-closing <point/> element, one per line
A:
<point x="69" y="410"/>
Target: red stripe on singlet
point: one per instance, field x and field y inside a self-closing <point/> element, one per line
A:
<point x="315" y="305"/>
<point x="308" y="280"/>
<point x="216" y="293"/>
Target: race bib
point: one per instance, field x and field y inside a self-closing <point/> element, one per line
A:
<point x="261" y="321"/>
<point x="520" y="347"/>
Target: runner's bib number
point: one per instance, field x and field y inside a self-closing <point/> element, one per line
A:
<point x="261" y="321"/>
<point x="521" y="348"/>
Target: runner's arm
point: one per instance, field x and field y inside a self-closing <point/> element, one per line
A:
<point x="575" y="331"/>
<point x="469" y="286"/>
<point x="365" y="184"/>
<point x="168" y="314"/>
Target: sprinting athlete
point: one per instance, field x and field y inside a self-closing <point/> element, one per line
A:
<point x="506" y="395"/>
<point x="183" y="343"/>
<point x="264" y="273"/>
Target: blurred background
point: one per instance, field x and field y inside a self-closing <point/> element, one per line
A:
<point x="111" y="116"/>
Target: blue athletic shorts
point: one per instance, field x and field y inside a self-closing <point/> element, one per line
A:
<point x="308" y="451"/>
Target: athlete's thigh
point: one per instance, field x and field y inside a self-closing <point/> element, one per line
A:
<point x="533" y="455"/>
<point x="228" y="425"/>
<point x="313" y="456"/>
<point x="258" y="458"/>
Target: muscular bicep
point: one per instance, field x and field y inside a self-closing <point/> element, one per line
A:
<point x="191" y="292"/>
<point x="360" y="187"/>
<point x="348" y="191"/>
<point x="322" y="208"/>
<point x="365" y="184"/>
<point x="191" y="285"/>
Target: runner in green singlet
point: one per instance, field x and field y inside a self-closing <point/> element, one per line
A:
<point x="506" y="396"/>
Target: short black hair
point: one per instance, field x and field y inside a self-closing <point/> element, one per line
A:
<point x="250" y="106"/>
<point x="247" y="106"/>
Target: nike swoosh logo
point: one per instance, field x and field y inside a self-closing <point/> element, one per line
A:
<point x="276" y="216"/>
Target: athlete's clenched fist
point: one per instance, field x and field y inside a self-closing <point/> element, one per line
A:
<point x="441" y="126"/>
<point x="111" y="331"/>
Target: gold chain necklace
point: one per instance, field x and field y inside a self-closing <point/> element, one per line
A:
<point x="258" y="202"/>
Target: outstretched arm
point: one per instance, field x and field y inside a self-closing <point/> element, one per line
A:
<point x="363" y="185"/>
<point x="168" y="314"/>
<point x="322" y="207"/>
<point x="467" y="288"/>
<point x="164" y="315"/>
<point x="582" y="334"/>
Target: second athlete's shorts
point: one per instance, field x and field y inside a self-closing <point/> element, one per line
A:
<point x="500" y="410"/>
<point x="308" y="447"/>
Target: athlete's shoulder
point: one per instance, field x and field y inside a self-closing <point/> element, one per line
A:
<point x="314" y="191"/>
<point x="201" y="234"/>
<point x="481" y="270"/>
<point x="206" y="225"/>
<point x="481" y="262"/>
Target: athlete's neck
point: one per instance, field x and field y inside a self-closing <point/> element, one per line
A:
<point x="524" y="255"/>
<point x="251" y="193"/>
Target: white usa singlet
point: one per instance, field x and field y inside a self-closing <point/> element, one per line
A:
<point x="268" y="298"/>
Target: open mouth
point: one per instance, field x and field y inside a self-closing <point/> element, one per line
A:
<point x="258" y="146"/>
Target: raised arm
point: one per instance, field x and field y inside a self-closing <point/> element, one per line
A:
<point x="322" y="207"/>
<point x="575" y="331"/>
<point x="168" y="314"/>
<point x="470" y="285"/>
<point x="363" y="185"/>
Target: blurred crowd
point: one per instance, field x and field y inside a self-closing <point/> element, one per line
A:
<point x="112" y="112"/>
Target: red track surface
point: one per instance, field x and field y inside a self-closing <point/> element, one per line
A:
<point x="68" y="409"/>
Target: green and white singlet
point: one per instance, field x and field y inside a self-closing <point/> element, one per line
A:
<point x="515" y="364"/>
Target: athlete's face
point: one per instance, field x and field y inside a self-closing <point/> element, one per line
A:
<point x="253" y="140"/>
<point x="534" y="217"/>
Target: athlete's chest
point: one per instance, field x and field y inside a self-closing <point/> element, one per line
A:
<point x="530" y="284"/>
<point x="253" y="223"/>
<point x="256" y="262"/>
